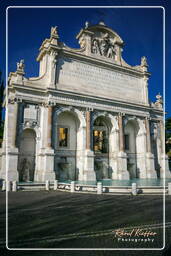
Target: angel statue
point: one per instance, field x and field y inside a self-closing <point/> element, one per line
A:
<point x="95" y="47"/>
<point x="20" y="65"/>
<point x="54" y="30"/>
<point x="144" y="61"/>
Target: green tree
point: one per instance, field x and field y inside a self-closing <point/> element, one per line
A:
<point x="1" y="108"/>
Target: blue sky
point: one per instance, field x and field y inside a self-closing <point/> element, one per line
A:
<point x="141" y="29"/>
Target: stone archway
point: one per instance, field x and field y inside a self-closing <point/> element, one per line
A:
<point x="69" y="143"/>
<point x="130" y="135"/>
<point x="27" y="150"/>
<point x="102" y="127"/>
<point x="135" y="147"/>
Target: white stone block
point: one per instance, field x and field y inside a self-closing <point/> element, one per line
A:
<point x="89" y="173"/>
<point x="99" y="188"/>
<point x="165" y="172"/>
<point x="14" y="186"/>
<point x="151" y="173"/>
<point x="12" y="164"/>
<point x="48" y="165"/>
<point x="55" y="184"/>
<point x="47" y="185"/>
<point x="8" y="186"/>
<point x="72" y="186"/>
<point x="123" y="173"/>
<point x="169" y="188"/>
<point x="134" y="189"/>
<point x="3" y="185"/>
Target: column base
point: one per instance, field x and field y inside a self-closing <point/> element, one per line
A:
<point x="45" y="170"/>
<point x="164" y="171"/>
<point x="151" y="172"/>
<point x="11" y="166"/>
<point x="123" y="173"/>
<point x="89" y="176"/>
<point x="88" y="173"/>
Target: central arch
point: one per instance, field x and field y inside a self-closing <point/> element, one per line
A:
<point x="69" y="143"/>
<point x="102" y="127"/>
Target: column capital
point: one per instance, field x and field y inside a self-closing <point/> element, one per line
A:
<point x="148" y="118"/>
<point x="89" y="109"/>
<point x="14" y="100"/>
<point x="121" y="114"/>
<point x="48" y="104"/>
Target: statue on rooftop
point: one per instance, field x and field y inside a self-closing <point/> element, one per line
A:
<point x="144" y="62"/>
<point x="159" y="101"/>
<point x="95" y="47"/>
<point x="20" y="65"/>
<point x="54" y="31"/>
<point x="86" y="24"/>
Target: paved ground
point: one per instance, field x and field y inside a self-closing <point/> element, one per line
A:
<point x="64" y="220"/>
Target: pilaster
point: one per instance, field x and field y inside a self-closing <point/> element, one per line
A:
<point x="123" y="173"/>
<point x="164" y="171"/>
<point x="89" y="173"/>
<point x="9" y="149"/>
<point x="45" y="159"/>
<point x="150" y="169"/>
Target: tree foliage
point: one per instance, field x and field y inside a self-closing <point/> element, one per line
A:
<point x="168" y="137"/>
<point x="1" y="108"/>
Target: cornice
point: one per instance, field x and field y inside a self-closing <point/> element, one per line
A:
<point x="102" y="62"/>
<point x="75" y="99"/>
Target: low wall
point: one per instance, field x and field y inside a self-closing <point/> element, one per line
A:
<point x="0" y="158"/>
<point x="83" y="188"/>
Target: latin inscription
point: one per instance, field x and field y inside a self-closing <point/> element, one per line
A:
<point x="84" y="78"/>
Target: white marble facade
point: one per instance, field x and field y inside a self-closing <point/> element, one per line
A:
<point x="86" y="117"/>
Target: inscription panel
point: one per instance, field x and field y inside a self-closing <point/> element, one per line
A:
<point x="93" y="80"/>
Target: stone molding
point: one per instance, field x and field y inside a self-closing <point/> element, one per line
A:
<point x="73" y="110"/>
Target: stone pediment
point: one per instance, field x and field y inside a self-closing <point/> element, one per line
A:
<point x="96" y="63"/>
<point x="101" y="42"/>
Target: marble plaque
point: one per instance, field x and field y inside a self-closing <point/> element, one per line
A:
<point x="93" y="80"/>
<point x="30" y="112"/>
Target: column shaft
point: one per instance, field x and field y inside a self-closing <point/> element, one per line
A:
<point x="121" y="133"/>
<point x="148" y="140"/>
<point x="12" y="124"/>
<point x="49" y="128"/>
<point x="88" y="136"/>
<point x="162" y="137"/>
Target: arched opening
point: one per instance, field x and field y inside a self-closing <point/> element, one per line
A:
<point x="131" y="147"/>
<point x="66" y="146"/>
<point x="27" y="149"/>
<point x="101" y="130"/>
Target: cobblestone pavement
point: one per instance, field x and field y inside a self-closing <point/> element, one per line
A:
<point x="64" y="220"/>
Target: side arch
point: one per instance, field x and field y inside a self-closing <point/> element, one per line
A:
<point x="27" y="155"/>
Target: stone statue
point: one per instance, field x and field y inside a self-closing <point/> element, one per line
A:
<point x="86" y="24"/>
<point x="53" y="31"/>
<point x="104" y="46"/>
<point x="111" y="52"/>
<point x="159" y="101"/>
<point x="95" y="47"/>
<point x="25" y="171"/>
<point x="20" y="65"/>
<point x="144" y="61"/>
